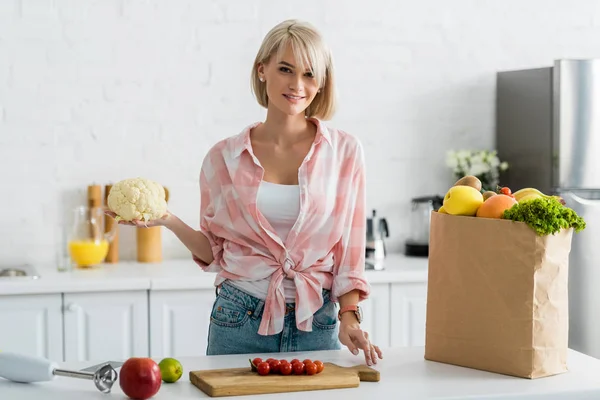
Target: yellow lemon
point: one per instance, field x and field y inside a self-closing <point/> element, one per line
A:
<point x="462" y="200"/>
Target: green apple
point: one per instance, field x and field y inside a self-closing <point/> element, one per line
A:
<point x="462" y="200"/>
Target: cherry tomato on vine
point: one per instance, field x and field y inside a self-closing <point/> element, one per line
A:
<point x="298" y="368"/>
<point x="285" y="368"/>
<point x="257" y="361"/>
<point x="320" y="366"/>
<point x="274" y="364"/>
<point x="263" y="368"/>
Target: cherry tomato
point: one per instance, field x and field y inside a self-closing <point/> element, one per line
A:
<point x="257" y="361"/>
<point x="285" y="368"/>
<point x="269" y="359"/>
<point x="306" y="361"/>
<point x="298" y="368"/>
<point x="320" y="366"/>
<point x="505" y="190"/>
<point x="311" y="368"/>
<point x="295" y="360"/>
<point x="263" y="368"/>
<point x="274" y="364"/>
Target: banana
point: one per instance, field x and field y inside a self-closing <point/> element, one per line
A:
<point x="519" y="194"/>
<point x="530" y="194"/>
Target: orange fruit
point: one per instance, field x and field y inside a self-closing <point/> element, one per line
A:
<point x="494" y="206"/>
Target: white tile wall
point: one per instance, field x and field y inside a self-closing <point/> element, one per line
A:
<point x="97" y="91"/>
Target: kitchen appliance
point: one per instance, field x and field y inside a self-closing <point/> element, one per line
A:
<point x="244" y="381"/>
<point x="417" y="243"/>
<point x="26" y="369"/>
<point x="548" y="130"/>
<point x="377" y="230"/>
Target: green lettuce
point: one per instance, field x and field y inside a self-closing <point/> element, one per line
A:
<point x="545" y="216"/>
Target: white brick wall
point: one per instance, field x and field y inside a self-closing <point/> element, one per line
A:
<point x="96" y="91"/>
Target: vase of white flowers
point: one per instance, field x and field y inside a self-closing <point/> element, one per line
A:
<point x="484" y="164"/>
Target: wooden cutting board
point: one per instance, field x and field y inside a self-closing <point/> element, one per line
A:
<point x="243" y="381"/>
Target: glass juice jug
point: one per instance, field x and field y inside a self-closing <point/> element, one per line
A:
<point x="88" y="243"/>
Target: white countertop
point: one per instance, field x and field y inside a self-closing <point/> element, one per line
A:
<point x="404" y="374"/>
<point x="172" y="275"/>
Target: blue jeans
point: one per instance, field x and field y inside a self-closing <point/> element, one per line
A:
<point x="236" y="317"/>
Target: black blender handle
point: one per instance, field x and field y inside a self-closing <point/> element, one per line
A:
<point x="384" y="227"/>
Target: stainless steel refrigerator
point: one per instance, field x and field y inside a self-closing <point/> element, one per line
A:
<point x="548" y="130"/>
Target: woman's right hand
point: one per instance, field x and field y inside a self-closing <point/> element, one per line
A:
<point x="141" y="224"/>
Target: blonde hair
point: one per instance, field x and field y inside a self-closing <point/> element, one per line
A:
<point x="310" y="52"/>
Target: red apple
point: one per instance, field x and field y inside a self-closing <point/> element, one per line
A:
<point x="140" y="378"/>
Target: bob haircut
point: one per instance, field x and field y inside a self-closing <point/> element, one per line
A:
<point x="310" y="52"/>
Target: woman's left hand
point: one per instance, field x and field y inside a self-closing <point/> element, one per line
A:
<point x="141" y="224"/>
<point x="353" y="337"/>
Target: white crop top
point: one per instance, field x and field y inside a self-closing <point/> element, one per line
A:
<point x="280" y="205"/>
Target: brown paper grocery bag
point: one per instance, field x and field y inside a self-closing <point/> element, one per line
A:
<point x="497" y="296"/>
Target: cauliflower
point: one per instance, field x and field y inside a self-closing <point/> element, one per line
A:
<point x="137" y="199"/>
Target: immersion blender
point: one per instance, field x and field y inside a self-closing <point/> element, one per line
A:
<point x="24" y="368"/>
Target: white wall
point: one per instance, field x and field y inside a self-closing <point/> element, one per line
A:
<point x="97" y="91"/>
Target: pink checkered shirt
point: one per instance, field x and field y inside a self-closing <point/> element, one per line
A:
<point x="326" y="246"/>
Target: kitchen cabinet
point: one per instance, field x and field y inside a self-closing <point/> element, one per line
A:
<point x="32" y="325"/>
<point x="115" y="325"/>
<point x="110" y="314"/>
<point x="408" y="303"/>
<point x="179" y="321"/>
<point x="105" y="325"/>
<point x="376" y="314"/>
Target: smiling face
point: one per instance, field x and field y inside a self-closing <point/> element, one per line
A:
<point x="291" y="87"/>
<point x="293" y="73"/>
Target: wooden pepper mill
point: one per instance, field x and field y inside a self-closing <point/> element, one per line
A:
<point x="149" y="242"/>
<point x="94" y="201"/>
<point x="113" y="248"/>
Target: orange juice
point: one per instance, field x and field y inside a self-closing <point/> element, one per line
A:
<point x="86" y="253"/>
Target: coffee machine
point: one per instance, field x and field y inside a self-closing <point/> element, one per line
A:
<point x="377" y="230"/>
<point x="417" y="243"/>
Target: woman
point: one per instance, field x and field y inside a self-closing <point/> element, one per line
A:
<point x="282" y="213"/>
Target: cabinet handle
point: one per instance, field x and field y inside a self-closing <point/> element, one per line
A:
<point x="71" y="307"/>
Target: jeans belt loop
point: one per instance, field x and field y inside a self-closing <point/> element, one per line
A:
<point x="258" y="310"/>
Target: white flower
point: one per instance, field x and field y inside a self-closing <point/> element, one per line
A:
<point x="451" y="160"/>
<point x="463" y="156"/>
<point x="477" y="158"/>
<point x="477" y="163"/>
<point x="494" y="161"/>
<point x="478" y="168"/>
